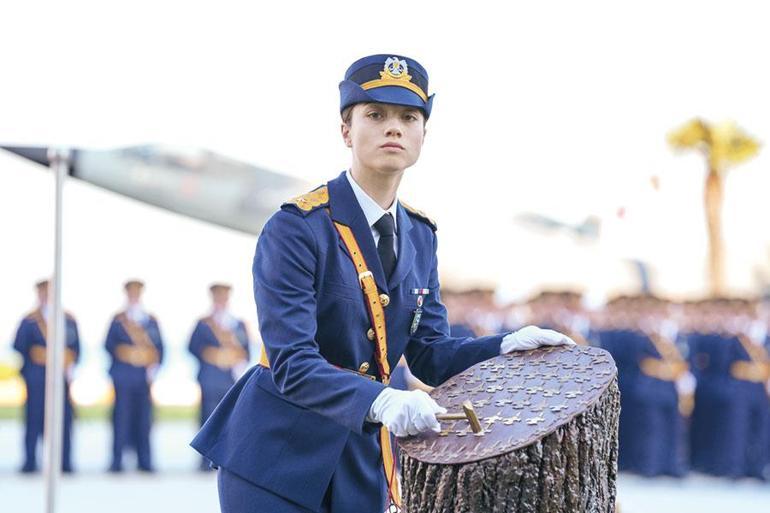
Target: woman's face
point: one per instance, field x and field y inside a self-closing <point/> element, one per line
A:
<point x="384" y="138"/>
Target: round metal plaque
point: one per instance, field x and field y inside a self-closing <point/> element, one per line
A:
<point x="518" y="397"/>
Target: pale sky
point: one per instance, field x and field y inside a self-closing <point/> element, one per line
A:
<point x="559" y="108"/>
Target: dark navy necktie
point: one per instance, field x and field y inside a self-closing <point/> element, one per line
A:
<point x="385" y="226"/>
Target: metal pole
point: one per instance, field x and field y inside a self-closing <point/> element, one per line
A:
<point x="54" y="375"/>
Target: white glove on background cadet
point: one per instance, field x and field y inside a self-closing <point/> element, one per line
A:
<point x="406" y="412"/>
<point x="532" y="337"/>
<point x="686" y="384"/>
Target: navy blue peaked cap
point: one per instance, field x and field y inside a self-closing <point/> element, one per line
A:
<point x="386" y="78"/>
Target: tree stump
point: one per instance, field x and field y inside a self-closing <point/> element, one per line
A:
<point x="549" y="441"/>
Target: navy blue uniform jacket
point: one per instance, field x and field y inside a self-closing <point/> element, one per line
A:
<point x="29" y="335"/>
<point x="287" y="429"/>
<point x="203" y="337"/>
<point x="124" y="372"/>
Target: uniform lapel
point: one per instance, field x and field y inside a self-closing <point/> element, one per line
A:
<point x="406" y="251"/>
<point x="344" y="208"/>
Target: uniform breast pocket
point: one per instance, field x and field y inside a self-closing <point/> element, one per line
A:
<point x="340" y="290"/>
<point x="340" y="311"/>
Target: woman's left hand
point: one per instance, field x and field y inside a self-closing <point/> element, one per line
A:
<point x="532" y="337"/>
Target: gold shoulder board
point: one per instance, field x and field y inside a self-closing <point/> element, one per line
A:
<point x="420" y="215"/>
<point x="311" y="200"/>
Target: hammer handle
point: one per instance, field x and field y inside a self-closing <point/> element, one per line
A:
<point x="451" y="416"/>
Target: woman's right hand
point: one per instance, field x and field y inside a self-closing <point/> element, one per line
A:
<point x="406" y="412"/>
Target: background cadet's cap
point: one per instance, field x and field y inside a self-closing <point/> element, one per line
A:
<point x="133" y="283"/>
<point x="386" y="79"/>
<point x="219" y="286"/>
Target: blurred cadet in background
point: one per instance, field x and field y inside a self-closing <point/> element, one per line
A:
<point x="655" y="383"/>
<point x="694" y="376"/>
<point x="30" y="342"/>
<point x="136" y="347"/>
<point x="561" y="311"/>
<point x="731" y="422"/>
<point x="472" y="313"/>
<point x="220" y="342"/>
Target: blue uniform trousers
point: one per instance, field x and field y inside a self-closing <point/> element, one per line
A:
<point x="740" y="443"/>
<point x="731" y="421"/>
<point x="34" y="423"/>
<point x="131" y="421"/>
<point x="658" y="444"/>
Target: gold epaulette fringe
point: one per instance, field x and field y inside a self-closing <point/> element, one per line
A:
<point x="311" y="200"/>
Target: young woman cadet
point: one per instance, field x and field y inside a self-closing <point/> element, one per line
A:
<point x="345" y="283"/>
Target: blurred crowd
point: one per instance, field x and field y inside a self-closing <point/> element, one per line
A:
<point x="694" y="376"/>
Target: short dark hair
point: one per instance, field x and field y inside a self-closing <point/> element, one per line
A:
<point x="347" y="114"/>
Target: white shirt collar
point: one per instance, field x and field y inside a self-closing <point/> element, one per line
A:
<point x="372" y="211"/>
<point x="224" y="319"/>
<point x="136" y="313"/>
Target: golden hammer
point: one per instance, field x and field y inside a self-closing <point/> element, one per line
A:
<point x="468" y="413"/>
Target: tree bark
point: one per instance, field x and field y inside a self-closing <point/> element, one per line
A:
<point x="572" y="469"/>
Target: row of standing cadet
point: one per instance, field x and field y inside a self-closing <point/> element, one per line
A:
<point x="694" y="376"/>
<point x="696" y="379"/>
<point x="220" y="343"/>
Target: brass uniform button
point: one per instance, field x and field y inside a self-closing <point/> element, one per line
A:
<point x="363" y="367"/>
<point x="384" y="300"/>
<point x="370" y="334"/>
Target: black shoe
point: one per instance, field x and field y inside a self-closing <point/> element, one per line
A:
<point x="115" y="469"/>
<point x="29" y="468"/>
<point x="147" y="470"/>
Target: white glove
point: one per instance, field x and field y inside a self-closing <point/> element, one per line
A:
<point x="406" y="412"/>
<point x="686" y="384"/>
<point x="532" y="337"/>
<point x="238" y="369"/>
<point x="152" y="372"/>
